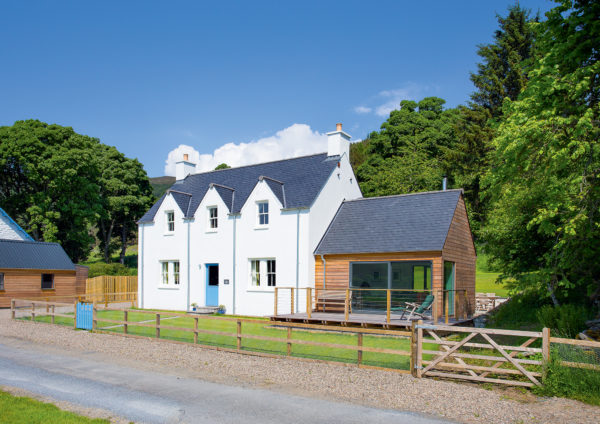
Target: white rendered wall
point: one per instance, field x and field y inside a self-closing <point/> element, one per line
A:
<point x="8" y="230"/>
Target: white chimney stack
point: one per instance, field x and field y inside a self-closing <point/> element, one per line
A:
<point x="338" y="142"/>
<point x="184" y="167"/>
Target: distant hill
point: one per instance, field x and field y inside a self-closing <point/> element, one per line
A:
<point x="161" y="184"/>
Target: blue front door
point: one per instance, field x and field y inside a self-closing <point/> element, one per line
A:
<point x="212" y="285"/>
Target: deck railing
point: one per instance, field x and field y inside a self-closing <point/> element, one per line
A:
<point x="391" y="302"/>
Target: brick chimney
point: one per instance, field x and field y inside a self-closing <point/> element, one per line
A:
<point x="338" y="142"/>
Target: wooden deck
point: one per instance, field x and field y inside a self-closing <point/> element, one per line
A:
<point x="361" y="319"/>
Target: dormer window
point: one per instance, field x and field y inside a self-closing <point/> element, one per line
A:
<point x="263" y="213"/>
<point x="213" y="218"/>
<point x="170" y="221"/>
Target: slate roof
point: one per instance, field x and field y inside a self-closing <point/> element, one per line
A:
<point x="17" y="254"/>
<point x="415" y="222"/>
<point x="15" y="226"/>
<point x="296" y="183"/>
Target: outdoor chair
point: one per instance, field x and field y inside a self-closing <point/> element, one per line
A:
<point x="415" y="309"/>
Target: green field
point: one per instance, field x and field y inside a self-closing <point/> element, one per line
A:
<point x="261" y="328"/>
<point x="24" y="410"/>
<point x="485" y="282"/>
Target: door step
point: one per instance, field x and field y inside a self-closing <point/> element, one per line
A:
<point x="205" y="310"/>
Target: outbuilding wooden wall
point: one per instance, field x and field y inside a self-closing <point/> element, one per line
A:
<point x="27" y="283"/>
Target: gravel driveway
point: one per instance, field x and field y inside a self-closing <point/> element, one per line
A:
<point x="467" y="403"/>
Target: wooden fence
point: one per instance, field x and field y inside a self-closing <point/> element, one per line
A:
<point x="112" y="287"/>
<point x="484" y="355"/>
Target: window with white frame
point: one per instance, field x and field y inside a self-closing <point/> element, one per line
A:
<point x="213" y="218"/>
<point x="169" y="273"/>
<point x="263" y="213"/>
<point x="262" y="273"/>
<point x="170" y="221"/>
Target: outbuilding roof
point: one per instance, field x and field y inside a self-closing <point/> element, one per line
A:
<point x="415" y="222"/>
<point x="296" y="183"/>
<point x="17" y="254"/>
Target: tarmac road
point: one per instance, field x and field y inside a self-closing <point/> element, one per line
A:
<point x="143" y="396"/>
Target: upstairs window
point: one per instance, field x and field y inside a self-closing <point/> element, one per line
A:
<point x="1" y="281"/>
<point x="262" y="273"/>
<point x="213" y="218"/>
<point x="263" y="213"/>
<point x="170" y="221"/>
<point x="47" y="281"/>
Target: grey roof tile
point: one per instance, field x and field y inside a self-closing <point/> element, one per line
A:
<point x="405" y="223"/>
<point x="302" y="178"/>
<point x="17" y="254"/>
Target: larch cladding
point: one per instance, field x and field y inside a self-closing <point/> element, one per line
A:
<point x="459" y="248"/>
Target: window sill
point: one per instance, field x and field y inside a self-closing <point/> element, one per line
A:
<point x="49" y="290"/>
<point x="257" y="290"/>
<point x="172" y="233"/>
<point x="211" y="231"/>
<point x="169" y="288"/>
<point x="261" y="227"/>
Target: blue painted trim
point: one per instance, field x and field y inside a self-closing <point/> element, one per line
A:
<point x="206" y="286"/>
<point x="12" y="221"/>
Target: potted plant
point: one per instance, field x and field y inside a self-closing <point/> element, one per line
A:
<point x="221" y="309"/>
<point x="194" y="306"/>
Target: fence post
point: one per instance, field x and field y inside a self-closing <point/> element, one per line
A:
<point x="346" y="306"/>
<point x="195" y="330"/>
<point x="446" y="306"/>
<point x="546" y="344"/>
<point x="158" y="326"/>
<point x="388" y="305"/>
<point x="419" y="359"/>
<point x="125" y="318"/>
<point x="33" y="311"/>
<point x="75" y="315"/>
<point x="413" y="348"/>
<point x="275" y="308"/>
<point x="53" y="311"/>
<point x="12" y="308"/>
<point x="292" y="301"/>
<point x="47" y="306"/>
<point x="359" y="351"/>
<point x="308" y="301"/>
<point x="289" y="344"/>
<point x="239" y="334"/>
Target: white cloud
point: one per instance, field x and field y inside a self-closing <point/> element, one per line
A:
<point x="295" y="140"/>
<point x="362" y="109"/>
<point x="389" y="100"/>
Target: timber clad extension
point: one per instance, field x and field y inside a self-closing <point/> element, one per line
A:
<point x="429" y="228"/>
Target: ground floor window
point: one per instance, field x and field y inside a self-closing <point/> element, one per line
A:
<point x="169" y="273"/>
<point x="47" y="281"/>
<point x="1" y="281"/>
<point x="263" y="273"/>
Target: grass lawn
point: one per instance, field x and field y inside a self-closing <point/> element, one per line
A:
<point x="265" y="328"/>
<point x="17" y="410"/>
<point x="485" y="282"/>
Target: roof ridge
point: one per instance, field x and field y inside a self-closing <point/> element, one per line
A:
<point x="405" y="195"/>
<point x="29" y="241"/>
<point x="254" y="164"/>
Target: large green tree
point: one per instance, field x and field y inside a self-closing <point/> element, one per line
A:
<point x="544" y="221"/>
<point x="49" y="183"/>
<point x="408" y="153"/>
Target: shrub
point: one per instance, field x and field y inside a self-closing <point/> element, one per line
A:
<point x="101" y="268"/>
<point x="519" y="312"/>
<point x="568" y="320"/>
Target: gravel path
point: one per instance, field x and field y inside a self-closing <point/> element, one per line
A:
<point x="466" y="403"/>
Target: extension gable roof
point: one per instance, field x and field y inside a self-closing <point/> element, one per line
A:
<point x="416" y="222"/>
<point x="18" y="254"/>
<point x="296" y="182"/>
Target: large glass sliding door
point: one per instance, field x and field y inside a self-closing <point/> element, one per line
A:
<point x="412" y="279"/>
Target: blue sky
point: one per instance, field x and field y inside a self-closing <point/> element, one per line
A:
<point x="150" y="76"/>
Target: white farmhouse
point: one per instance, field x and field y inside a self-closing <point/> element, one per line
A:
<point x="229" y="237"/>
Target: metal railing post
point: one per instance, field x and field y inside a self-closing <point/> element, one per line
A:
<point x="446" y="305"/>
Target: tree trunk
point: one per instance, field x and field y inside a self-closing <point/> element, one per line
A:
<point x="123" y="243"/>
<point x="107" y="236"/>
<point x="552" y="294"/>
